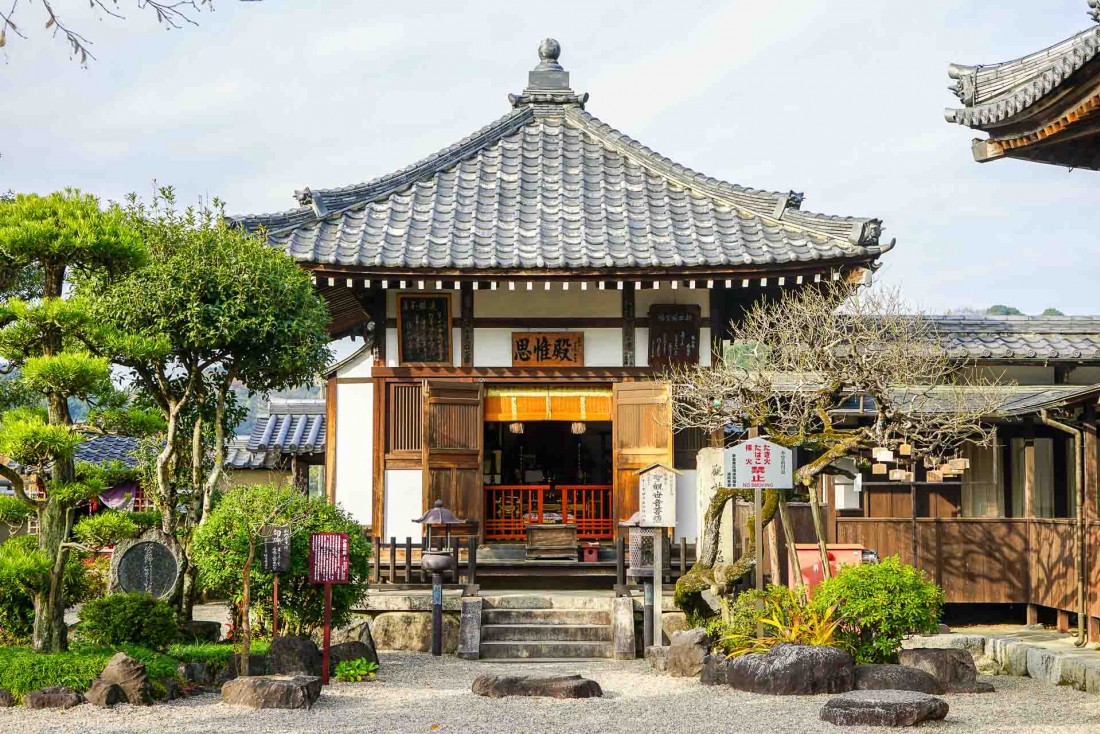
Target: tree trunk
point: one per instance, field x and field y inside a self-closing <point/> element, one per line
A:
<point x="788" y="537"/>
<point x="819" y="530"/>
<point x="246" y="608"/>
<point x="50" y="630"/>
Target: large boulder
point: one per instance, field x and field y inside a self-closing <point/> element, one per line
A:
<point x="895" y="678"/>
<point x="257" y="665"/>
<point x="657" y="655"/>
<point x="785" y="670"/>
<point x="883" y="708"/>
<point x="53" y="697"/>
<point x="273" y="691"/>
<point x="673" y="622"/>
<point x="294" y="656"/>
<point x="105" y="694"/>
<point x="954" y="669"/>
<point x="7" y="700"/>
<point x="201" y="631"/>
<point x="350" y="651"/>
<point x="686" y="653"/>
<point x="553" y="686"/>
<point x="129" y="674"/>
<point x="412" y="631"/>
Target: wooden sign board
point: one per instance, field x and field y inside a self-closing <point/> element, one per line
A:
<point x="657" y="496"/>
<point x="547" y="349"/>
<point x="424" y="329"/>
<point x="275" y="549"/>
<point x="329" y="561"/>
<point x="759" y="464"/>
<point x="673" y="334"/>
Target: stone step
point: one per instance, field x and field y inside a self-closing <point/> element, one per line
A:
<point x="554" y="601"/>
<point x="546" y="616"/>
<point x="546" y="632"/>
<point x="513" y="650"/>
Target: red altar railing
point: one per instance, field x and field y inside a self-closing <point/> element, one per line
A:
<point x="509" y="509"/>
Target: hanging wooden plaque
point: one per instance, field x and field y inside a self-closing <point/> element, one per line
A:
<point x="424" y="329"/>
<point x="547" y="349"/>
<point x="673" y="334"/>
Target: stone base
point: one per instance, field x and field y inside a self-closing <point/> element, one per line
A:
<point x="412" y="631"/>
<point x="895" y="678"/>
<point x="883" y="708"/>
<point x="559" y="686"/>
<point x="53" y="697"/>
<point x="273" y="692"/>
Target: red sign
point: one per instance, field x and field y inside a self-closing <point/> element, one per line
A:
<point x="328" y="558"/>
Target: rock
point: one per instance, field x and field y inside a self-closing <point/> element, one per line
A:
<point x="949" y="667"/>
<point x="6" y="699"/>
<point x="685" y="654"/>
<point x="469" y="629"/>
<point x="788" y="670"/>
<point x="974" y="686"/>
<point x="257" y="665"/>
<point x="273" y="691"/>
<point x="657" y="655"/>
<point x="105" y="694"/>
<point x="883" y="708"/>
<point x="53" y="697"/>
<point x="171" y="689"/>
<point x="294" y="656"/>
<point x="622" y="628"/>
<point x="350" y="651"/>
<point x="200" y="631"/>
<point x="130" y="676"/>
<point x="412" y="631"/>
<point x="197" y="673"/>
<point x="896" y="678"/>
<point x="554" y="686"/>
<point x="673" y="622"/>
<point x="714" y="670"/>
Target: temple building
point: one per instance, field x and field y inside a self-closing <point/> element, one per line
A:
<point x="1043" y="107"/>
<point x="517" y="292"/>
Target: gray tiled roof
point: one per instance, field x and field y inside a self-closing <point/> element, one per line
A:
<point x="101" y="449"/>
<point x="1021" y="338"/>
<point x="549" y="186"/>
<point x="993" y="94"/>
<point x="1012" y="400"/>
<point x="291" y="427"/>
<point x="237" y="456"/>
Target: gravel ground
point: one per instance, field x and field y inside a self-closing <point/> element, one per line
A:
<point x="416" y="693"/>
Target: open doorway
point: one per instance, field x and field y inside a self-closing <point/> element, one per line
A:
<point x="548" y="472"/>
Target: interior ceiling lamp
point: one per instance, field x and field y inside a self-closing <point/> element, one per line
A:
<point x="578" y="427"/>
<point x="516" y="428"/>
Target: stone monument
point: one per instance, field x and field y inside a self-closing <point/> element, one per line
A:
<point x="150" y="563"/>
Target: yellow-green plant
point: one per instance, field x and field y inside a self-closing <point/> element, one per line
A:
<point x="790" y="621"/>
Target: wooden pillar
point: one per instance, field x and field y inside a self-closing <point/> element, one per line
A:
<point x="1032" y="614"/>
<point x="1092" y="463"/>
<point x="330" y="440"/>
<point x="1063" y="620"/>
<point x="1029" y="475"/>
<point x="629" y="323"/>
<point x="719" y="320"/>
<point x="1094" y="629"/>
<point x="466" y="324"/>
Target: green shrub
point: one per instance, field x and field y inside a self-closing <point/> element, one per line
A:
<point x="22" y="670"/>
<point x="219" y="551"/>
<point x="145" y="519"/>
<point x="136" y="618"/>
<point x="13" y="511"/>
<point x="23" y="571"/>
<point x="880" y="603"/>
<point x="207" y="653"/>
<point x="104" y="528"/>
<point x="741" y="614"/>
<point x="355" y="671"/>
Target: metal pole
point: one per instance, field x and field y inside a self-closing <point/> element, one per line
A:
<point x="393" y="560"/>
<point x="437" y="614"/>
<point x="647" y="616"/>
<point x="658" y="584"/>
<point x="758" y="552"/>
<point x="378" y="560"/>
<point x="471" y="563"/>
<point x="327" y="634"/>
<point x="408" y="560"/>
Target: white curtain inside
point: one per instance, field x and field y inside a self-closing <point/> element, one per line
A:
<point x="1044" y="477"/>
<point x="982" y="495"/>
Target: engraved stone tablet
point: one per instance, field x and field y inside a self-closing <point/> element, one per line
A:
<point x="149" y="564"/>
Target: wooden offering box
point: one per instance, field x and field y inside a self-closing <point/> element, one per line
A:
<point x="551" y="542"/>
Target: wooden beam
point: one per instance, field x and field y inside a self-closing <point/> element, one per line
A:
<point x="719" y="320"/>
<point x="330" y="441"/>
<point x="466" y="324"/>
<point x="1092" y="462"/>
<point x="628" y="327"/>
<point x="378" y="466"/>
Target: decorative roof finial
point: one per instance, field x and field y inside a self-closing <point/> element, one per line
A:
<point x="549" y="51"/>
<point x="548" y="83"/>
<point x="1095" y="12"/>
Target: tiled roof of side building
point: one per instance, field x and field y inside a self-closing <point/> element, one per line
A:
<point x="290" y="427"/>
<point x="102" y="449"/>
<point x="1021" y="338"/>
<point x="238" y="456"/>
<point x="549" y="186"/>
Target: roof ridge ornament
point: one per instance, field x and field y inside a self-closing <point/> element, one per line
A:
<point x="548" y="83"/>
<point x="1095" y="10"/>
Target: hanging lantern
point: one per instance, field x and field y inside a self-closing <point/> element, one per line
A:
<point x="905" y="449"/>
<point x="879" y="469"/>
<point x="578" y="427"/>
<point x="516" y="428"/>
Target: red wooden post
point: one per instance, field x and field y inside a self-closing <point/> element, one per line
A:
<point x="275" y="609"/>
<point x="328" y="634"/>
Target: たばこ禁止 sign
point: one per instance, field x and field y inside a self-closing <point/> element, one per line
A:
<point x="759" y="464"/>
<point x="328" y="558"/>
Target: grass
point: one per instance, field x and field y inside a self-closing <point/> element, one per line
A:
<point x="23" y="670"/>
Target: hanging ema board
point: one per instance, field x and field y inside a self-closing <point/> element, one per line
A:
<point x="758" y="464"/>
<point x="424" y="329"/>
<point x="657" y="496"/>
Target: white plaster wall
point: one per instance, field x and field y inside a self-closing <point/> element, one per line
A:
<point x="354" y="454"/>
<point x="687" y="511"/>
<point x="603" y="347"/>
<point x="647" y="297"/>
<point x="641" y="347"/>
<point x="404" y="501"/>
<point x="522" y="303"/>
<point x="360" y="366"/>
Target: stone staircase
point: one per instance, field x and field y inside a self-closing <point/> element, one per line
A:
<point x="527" y="627"/>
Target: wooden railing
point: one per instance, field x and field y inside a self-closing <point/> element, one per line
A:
<point x="509" y="509"/>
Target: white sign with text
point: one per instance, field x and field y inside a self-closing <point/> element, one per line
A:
<point x="758" y="464"/>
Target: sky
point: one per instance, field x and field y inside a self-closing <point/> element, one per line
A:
<point x="842" y="100"/>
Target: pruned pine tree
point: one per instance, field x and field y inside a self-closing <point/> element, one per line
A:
<point x="836" y="372"/>
<point x="56" y="237"/>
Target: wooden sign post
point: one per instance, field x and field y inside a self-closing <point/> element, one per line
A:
<point x="657" y="510"/>
<point x="328" y="564"/>
<point x="275" y="559"/>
